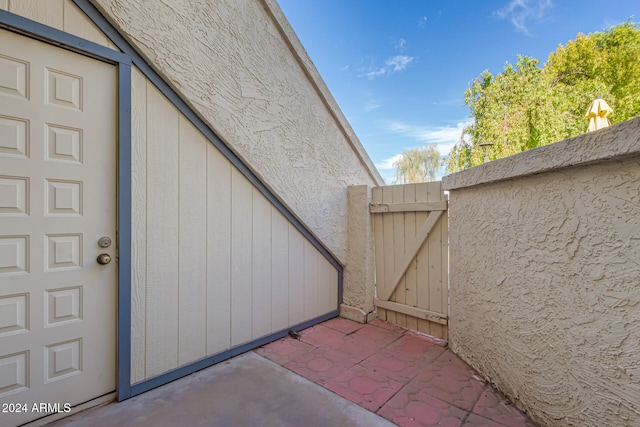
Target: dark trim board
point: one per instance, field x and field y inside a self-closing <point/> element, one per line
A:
<point x="124" y="233"/>
<point x="123" y="61"/>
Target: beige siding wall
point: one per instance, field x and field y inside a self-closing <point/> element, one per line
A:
<point x="214" y="264"/>
<point x="239" y="64"/>
<point x="212" y="256"/>
<point x="545" y="295"/>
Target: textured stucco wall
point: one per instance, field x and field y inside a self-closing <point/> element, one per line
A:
<point x="545" y="277"/>
<point x="241" y="67"/>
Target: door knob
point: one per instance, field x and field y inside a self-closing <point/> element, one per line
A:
<point x="104" y="259"/>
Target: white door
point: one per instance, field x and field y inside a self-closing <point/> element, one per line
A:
<point x="57" y="199"/>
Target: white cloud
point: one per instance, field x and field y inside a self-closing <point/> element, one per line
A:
<point x="398" y="62"/>
<point x="400" y="46"/>
<point x="444" y="136"/>
<point x="422" y="22"/>
<point x="372" y="104"/>
<point x="522" y="12"/>
<point x="375" y="72"/>
<point x="392" y="65"/>
<point x="388" y="163"/>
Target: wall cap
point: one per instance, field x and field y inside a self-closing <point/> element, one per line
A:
<point x="615" y="142"/>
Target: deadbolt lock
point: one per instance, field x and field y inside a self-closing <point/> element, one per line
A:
<point x="104" y="242"/>
<point x="104" y="259"/>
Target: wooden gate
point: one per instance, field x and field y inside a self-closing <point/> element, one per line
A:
<point x="411" y="249"/>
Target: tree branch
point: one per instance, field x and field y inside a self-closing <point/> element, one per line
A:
<point x="571" y="73"/>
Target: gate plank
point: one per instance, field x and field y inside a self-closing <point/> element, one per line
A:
<point x="408" y="206"/>
<point x="436" y="290"/>
<point x="387" y="222"/>
<point x="398" y="294"/>
<point x="411" y="278"/>
<point x="422" y="259"/>
<point x="429" y="315"/>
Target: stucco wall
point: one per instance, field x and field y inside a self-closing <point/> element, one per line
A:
<point x="241" y="67"/>
<point x="545" y="277"/>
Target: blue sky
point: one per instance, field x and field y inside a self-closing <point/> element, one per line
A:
<point x="399" y="68"/>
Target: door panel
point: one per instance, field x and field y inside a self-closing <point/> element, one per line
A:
<point x="57" y="199"/>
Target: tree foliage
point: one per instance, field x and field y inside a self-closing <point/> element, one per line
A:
<point x="527" y="105"/>
<point x="417" y="165"/>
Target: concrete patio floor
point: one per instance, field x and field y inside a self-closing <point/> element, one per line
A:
<point x="339" y="373"/>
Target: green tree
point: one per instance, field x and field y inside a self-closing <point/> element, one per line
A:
<point x="417" y="165"/>
<point x="526" y="105"/>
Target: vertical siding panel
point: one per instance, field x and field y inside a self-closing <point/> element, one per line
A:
<point x="411" y="281"/>
<point x="423" y="263"/>
<point x="48" y="12"/>
<point x="218" y="251"/>
<point x="193" y="244"/>
<point x="241" y="262"/>
<point x="4" y="4"/>
<point x="327" y="286"/>
<point x="378" y="227"/>
<point x="138" y="222"/>
<point x="261" y="266"/>
<point x="296" y="276"/>
<point x="279" y="271"/>
<point x="162" y="235"/>
<point x="333" y="279"/>
<point x="77" y="23"/>
<point x="310" y="281"/>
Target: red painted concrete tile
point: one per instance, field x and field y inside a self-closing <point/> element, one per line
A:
<point x="392" y="365"/>
<point x="284" y="350"/>
<point x="474" y="420"/>
<point x="404" y="358"/>
<point x="494" y="407"/>
<point x="417" y="346"/>
<point x="353" y="349"/>
<point x="321" y="364"/>
<point x="319" y="335"/>
<point x="364" y="387"/>
<point x="425" y="337"/>
<point x="414" y="408"/>
<point x="364" y="342"/>
<point x="378" y="334"/>
<point x="343" y="325"/>
<point x="374" y="336"/>
<point x="450" y="380"/>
